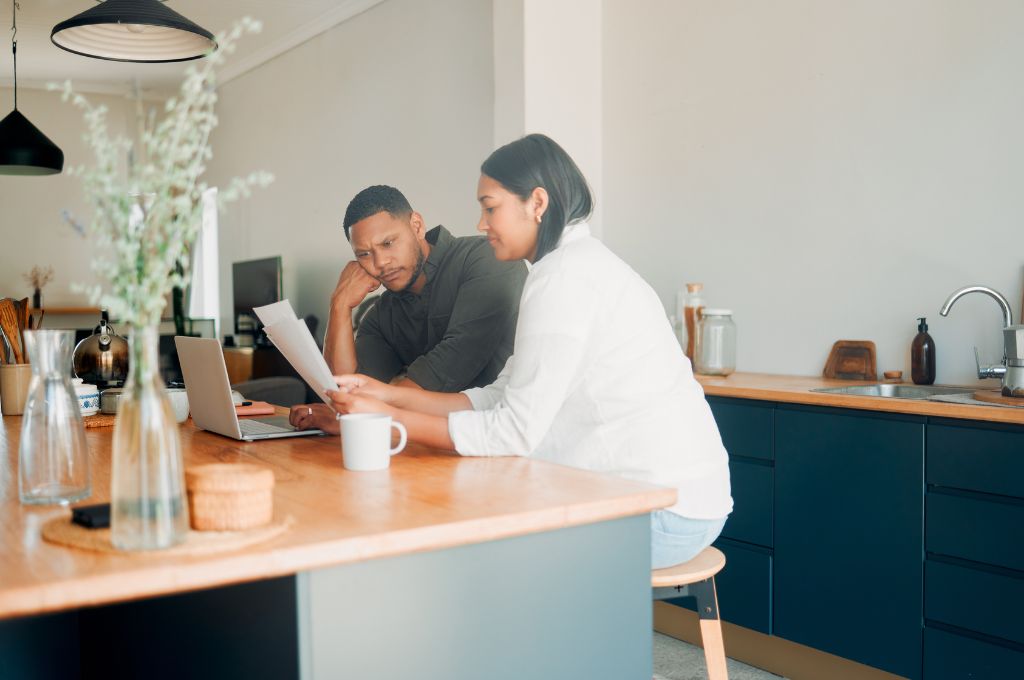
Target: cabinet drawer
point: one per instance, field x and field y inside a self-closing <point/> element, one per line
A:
<point x="751" y="518"/>
<point x="746" y="426"/>
<point x="953" y="657"/>
<point x="744" y="587"/>
<point x="976" y="459"/>
<point x="977" y="600"/>
<point x="975" y="529"/>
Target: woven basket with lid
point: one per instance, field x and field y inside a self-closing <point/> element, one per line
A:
<point x="229" y="496"/>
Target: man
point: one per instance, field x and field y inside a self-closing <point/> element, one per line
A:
<point x="447" y="318"/>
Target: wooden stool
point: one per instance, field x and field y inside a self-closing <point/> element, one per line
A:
<point x="696" y="578"/>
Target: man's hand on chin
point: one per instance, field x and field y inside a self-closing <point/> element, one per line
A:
<point x="354" y="285"/>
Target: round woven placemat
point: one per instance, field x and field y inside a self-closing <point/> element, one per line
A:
<point x="99" y="420"/>
<point x="61" y="531"/>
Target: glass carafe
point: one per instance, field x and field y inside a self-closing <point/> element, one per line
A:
<point x="147" y="489"/>
<point x="53" y="461"/>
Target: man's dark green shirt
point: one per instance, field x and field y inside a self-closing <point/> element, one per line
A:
<point x="458" y="331"/>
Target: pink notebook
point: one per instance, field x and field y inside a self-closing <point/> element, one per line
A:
<point x="257" y="408"/>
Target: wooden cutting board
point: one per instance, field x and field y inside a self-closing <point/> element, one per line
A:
<point x="996" y="397"/>
<point x="851" y="360"/>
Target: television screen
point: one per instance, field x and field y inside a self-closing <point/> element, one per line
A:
<point x="256" y="283"/>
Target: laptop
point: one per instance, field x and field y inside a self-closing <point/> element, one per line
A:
<point x="209" y="395"/>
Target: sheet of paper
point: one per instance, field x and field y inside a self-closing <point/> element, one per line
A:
<point x="292" y="337"/>
<point x="274" y="312"/>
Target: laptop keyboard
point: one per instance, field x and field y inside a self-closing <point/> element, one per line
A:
<point x="250" y="427"/>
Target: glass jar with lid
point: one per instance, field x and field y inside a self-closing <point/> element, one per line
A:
<point x="715" y="349"/>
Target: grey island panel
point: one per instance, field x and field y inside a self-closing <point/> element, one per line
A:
<point x="571" y="603"/>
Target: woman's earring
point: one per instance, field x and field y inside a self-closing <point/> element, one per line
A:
<point x="539" y="218"/>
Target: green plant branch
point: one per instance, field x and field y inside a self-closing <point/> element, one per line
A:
<point x="148" y="211"/>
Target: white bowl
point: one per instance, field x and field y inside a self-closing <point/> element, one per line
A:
<point x="88" y="397"/>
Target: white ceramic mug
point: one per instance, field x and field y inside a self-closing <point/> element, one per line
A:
<point x="179" y="403"/>
<point x="366" y="440"/>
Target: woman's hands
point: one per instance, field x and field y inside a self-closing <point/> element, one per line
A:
<point x="366" y="386"/>
<point x="424" y="414"/>
<point x="361" y="394"/>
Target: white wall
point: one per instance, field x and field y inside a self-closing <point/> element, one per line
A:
<point x="401" y="94"/>
<point x="32" y="231"/>
<point x="828" y="169"/>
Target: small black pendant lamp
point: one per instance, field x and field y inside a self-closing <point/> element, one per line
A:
<point x="24" y="150"/>
<point x="133" y="30"/>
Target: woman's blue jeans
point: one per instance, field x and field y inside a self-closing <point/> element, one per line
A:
<point x="676" y="539"/>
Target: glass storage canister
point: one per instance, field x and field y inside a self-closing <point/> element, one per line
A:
<point x="715" y="350"/>
<point x="692" y="307"/>
<point x="53" y="461"/>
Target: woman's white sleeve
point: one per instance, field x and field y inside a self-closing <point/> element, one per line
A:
<point x="555" y="317"/>
<point x="488" y="396"/>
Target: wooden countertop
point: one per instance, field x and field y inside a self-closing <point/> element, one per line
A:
<point x="427" y="500"/>
<point x="796" y="390"/>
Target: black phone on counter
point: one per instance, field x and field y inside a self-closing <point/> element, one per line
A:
<point x="92" y="516"/>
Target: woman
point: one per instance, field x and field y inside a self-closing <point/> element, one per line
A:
<point x="596" y="379"/>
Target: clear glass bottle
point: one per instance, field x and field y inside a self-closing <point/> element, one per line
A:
<point x="693" y="303"/>
<point x="147" y="489"/>
<point x="715" y="349"/>
<point x="53" y="460"/>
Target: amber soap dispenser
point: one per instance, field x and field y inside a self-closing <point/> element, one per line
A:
<point x="922" y="355"/>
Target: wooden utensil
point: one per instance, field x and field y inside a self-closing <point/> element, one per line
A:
<point x="6" y="355"/>
<point x="23" y="326"/>
<point x="851" y="360"/>
<point x="11" y="329"/>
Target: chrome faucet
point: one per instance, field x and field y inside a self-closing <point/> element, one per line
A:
<point x="1011" y="370"/>
<point x="994" y="294"/>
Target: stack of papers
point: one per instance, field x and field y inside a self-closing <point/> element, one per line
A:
<point x="292" y="337"/>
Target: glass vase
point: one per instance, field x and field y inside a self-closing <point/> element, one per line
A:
<point x="147" y="487"/>
<point x="53" y="461"/>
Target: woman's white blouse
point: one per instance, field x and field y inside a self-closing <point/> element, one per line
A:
<point x="598" y="381"/>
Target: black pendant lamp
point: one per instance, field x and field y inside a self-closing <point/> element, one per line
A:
<point x="133" y="30"/>
<point x="24" y="150"/>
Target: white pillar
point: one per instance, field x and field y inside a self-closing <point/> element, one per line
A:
<point x="547" y="78"/>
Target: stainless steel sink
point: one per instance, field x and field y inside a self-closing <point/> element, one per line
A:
<point x="894" y="391"/>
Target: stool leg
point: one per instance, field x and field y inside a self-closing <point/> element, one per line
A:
<point x="710" y="628"/>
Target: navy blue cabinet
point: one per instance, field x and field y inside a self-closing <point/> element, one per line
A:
<point x="848" y="534"/>
<point x="887" y="539"/>
<point x="745" y="426"/>
<point x="745" y="585"/>
<point x="752" y="518"/>
<point x="949" y="656"/>
<point x="974" y="568"/>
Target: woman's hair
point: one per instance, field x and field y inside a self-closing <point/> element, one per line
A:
<point x="537" y="161"/>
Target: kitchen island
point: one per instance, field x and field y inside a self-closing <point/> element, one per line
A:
<point x="440" y="567"/>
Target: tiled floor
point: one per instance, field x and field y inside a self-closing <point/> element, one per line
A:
<point x="677" y="660"/>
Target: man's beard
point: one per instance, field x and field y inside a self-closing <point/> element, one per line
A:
<point x="416" y="271"/>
